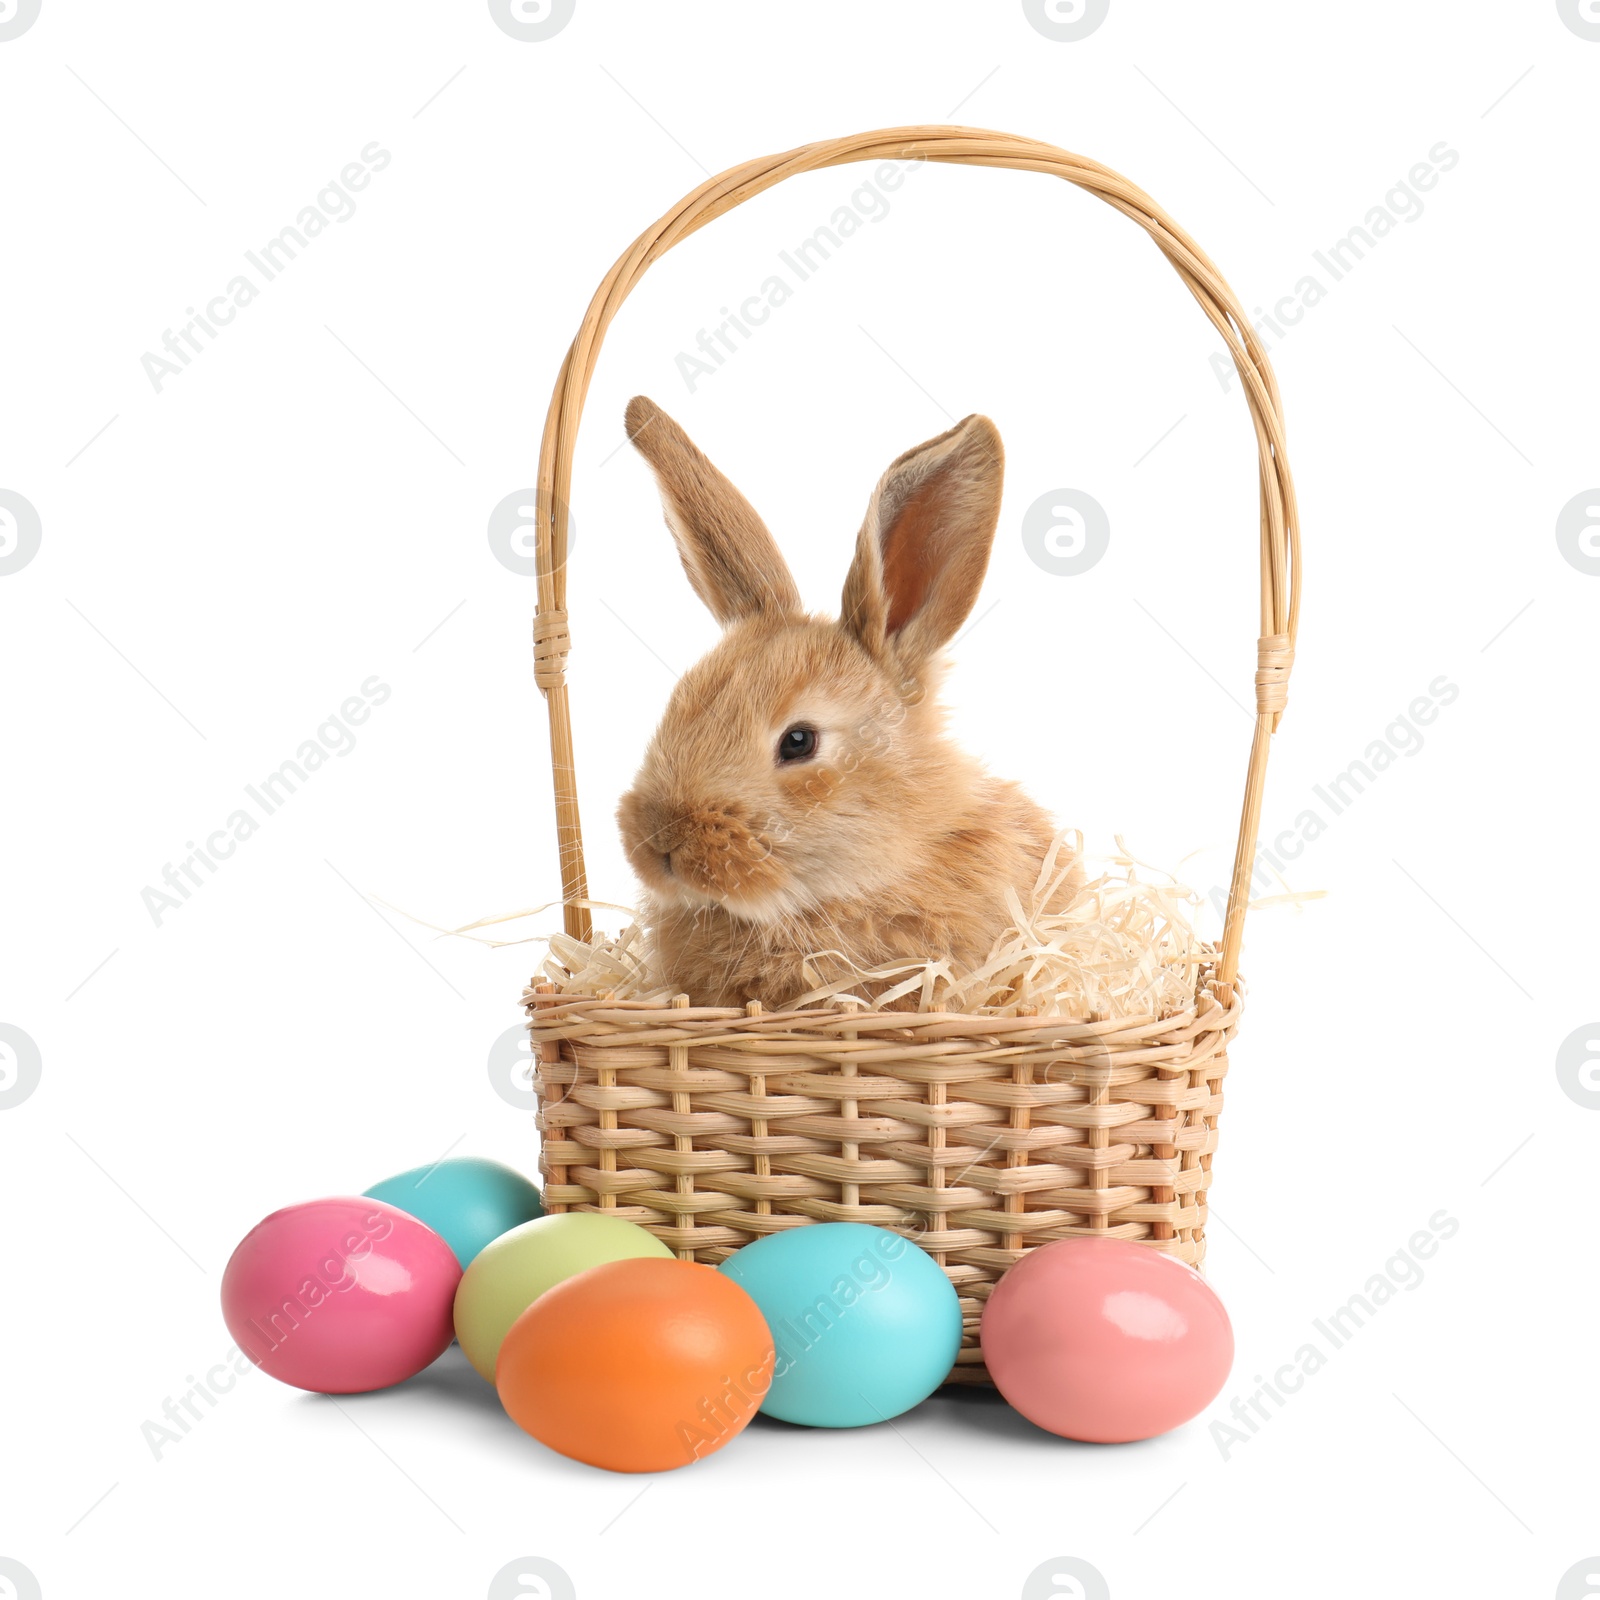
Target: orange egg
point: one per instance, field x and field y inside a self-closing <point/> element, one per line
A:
<point x="637" y="1365"/>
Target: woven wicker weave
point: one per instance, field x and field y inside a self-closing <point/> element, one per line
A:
<point x="976" y="1136"/>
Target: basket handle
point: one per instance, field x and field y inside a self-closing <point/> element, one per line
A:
<point x="1280" y="541"/>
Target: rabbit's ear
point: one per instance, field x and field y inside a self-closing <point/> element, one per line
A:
<point x="730" y="558"/>
<point x="924" y="546"/>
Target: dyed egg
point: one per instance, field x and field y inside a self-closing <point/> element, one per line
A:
<point x="1106" y="1340"/>
<point x="340" y="1296"/>
<point x="511" y="1272"/>
<point x="467" y="1201"/>
<point x="637" y="1366"/>
<point x="864" y="1324"/>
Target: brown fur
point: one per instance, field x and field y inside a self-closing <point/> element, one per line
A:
<point x="891" y="843"/>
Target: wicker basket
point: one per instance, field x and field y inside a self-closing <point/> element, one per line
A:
<point x="978" y="1137"/>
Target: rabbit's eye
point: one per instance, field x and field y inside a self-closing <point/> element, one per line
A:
<point x="798" y="743"/>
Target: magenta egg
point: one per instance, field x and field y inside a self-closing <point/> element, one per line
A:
<point x="1106" y="1340"/>
<point x="341" y="1296"/>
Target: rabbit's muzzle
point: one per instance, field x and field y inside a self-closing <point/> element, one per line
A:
<point x="715" y="852"/>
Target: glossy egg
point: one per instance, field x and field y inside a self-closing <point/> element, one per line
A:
<point x="466" y="1200"/>
<point x="864" y="1323"/>
<point x="637" y="1366"/>
<point x="1106" y="1340"/>
<point x="341" y="1295"/>
<point x="511" y="1272"/>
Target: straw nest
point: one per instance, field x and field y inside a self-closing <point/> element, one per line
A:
<point x="1121" y="944"/>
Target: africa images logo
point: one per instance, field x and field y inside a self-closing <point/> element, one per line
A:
<point x="20" y="532"/>
<point x="532" y="21"/>
<point x="16" y="17"/>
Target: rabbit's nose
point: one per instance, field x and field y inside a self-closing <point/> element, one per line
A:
<point x="661" y="830"/>
<point x="674" y="826"/>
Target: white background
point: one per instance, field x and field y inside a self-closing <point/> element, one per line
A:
<point x="224" y="562"/>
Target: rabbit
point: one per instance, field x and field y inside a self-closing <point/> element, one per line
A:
<point x="801" y="798"/>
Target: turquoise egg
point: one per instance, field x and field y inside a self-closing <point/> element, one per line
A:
<point x="467" y="1201"/>
<point x="864" y="1324"/>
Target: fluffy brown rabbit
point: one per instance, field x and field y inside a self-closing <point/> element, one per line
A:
<point x="801" y="798"/>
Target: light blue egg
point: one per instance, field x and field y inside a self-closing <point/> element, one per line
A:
<point x="467" y="1201"/>
<point x="864" y="1324"/>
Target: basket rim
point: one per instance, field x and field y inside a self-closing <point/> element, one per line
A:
<point x="1218" y="1002"/>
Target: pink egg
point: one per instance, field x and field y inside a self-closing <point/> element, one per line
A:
<point x="341" y="1296"/>
<point x="1106" y="1340"/>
